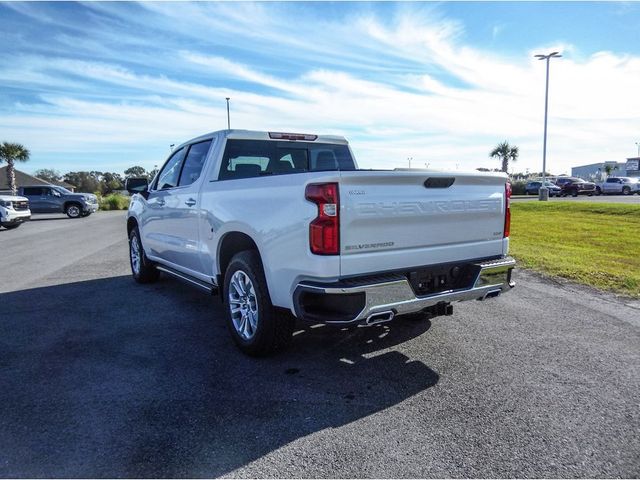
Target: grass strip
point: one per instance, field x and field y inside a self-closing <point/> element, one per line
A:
<point x="596" y="244"/>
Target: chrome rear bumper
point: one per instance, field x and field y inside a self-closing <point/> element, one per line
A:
<point x="385" y="299"/>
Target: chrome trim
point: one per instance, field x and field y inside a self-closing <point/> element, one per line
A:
<point x="398" y="297"/>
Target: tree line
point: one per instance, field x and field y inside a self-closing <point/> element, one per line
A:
<point x="108" y="182"/>
<point x="94" y="181"/>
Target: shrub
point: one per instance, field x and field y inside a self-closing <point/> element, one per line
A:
<point x="517" y="187"/>
<point x="114" y="202"/>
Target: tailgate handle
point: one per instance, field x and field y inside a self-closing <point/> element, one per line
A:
<point x="439" y="182"/>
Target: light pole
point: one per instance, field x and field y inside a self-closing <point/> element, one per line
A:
<point x="638" y="145"/>
<point x="544" y="191"/>
<point x="409" y="158"/>
<point x="228" y="117"/>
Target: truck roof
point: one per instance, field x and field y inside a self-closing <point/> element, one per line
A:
<point x="260" y="135"/>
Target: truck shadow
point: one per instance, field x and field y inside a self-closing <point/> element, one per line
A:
<point x="106" y="378"/>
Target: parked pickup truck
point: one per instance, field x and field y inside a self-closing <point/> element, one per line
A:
<point x="54" y="199"/>
<point x="14" y="211"/>
<point x="623" y="185"/>
<point x="284" y="225"/>
<point x="575" y="186"/>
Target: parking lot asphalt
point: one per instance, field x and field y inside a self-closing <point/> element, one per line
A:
<point x="101" y="377"/>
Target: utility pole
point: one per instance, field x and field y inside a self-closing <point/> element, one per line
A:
<point x="228" y="117"/>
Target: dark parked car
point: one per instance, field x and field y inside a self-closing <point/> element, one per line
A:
<point x="577" y="186"/>
<point x="533" y="188"/>
<point x="54" y="199"/>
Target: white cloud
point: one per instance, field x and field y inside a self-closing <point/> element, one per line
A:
<point x="402" y="87"/>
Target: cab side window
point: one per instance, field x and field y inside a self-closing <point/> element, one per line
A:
<point x="170" y="173"/>
<point x="194" y="162"/>
<point x="32" y="191"/>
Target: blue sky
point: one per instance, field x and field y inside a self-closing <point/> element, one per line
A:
<point x="103" y="86"/>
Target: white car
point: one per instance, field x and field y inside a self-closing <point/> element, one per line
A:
<point x="14" y="211"/>
<point x="285" y="226"/>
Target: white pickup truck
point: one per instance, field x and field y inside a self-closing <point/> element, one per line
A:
<point x="285" y="226"/>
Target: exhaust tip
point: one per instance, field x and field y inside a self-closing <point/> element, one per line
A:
<point x="492" y="294"/>
<point x="380" y="317"/>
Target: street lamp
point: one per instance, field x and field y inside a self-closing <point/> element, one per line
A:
<point x="544" y="191"/>
<point x="638" y="145"/>
<point x="228" y="118"/>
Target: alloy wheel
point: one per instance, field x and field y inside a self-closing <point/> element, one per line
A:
<point x="243" y="305"/>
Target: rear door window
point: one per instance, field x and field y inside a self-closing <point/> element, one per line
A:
<point x="32" y="191"/>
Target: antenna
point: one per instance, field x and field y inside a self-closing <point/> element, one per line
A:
<point x="228" y="117"/>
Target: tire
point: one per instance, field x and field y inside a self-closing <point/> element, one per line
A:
<point x="73" y="210"/>
<point x="142" y="269"/>
<point x="626" y="191"/>
<point x="574" y="193"/>
<point x="11" y="226"/>
<point x="256" y="326"/>
<point x="598" y="191"/>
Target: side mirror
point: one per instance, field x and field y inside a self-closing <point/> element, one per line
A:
<point x="137" y="185"/>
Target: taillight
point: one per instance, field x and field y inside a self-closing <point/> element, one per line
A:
<point x="507" y="204"/>
<point x="324" y="230"/>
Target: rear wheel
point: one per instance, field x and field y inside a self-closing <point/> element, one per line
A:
<point x="257" y="327"/>
<point x="626" y="191"/>
<point x="598" y="191"/>
<point x="74" y="210"/>
<point x="11" y="226"/>
<point x="142" y="269"/>
<point x="574" y="193"/>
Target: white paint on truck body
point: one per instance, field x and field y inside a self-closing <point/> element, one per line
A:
<point x="389" y="220"/>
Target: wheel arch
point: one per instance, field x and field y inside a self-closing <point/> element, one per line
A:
<point x="230" y="244"/>
<point x="131" y="224"/>
<point x="66" y="204"/>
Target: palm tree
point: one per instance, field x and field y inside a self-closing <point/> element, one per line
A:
<point x="506" y="153"/>
<point x="11" y="153"/>
<point x="610" y="168"/>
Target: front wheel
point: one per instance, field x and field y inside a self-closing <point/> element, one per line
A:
<point x="142" y="269"/>
<point x="73" y="210"/>
<point x="11" y="226"/>
<point x="574" y="193"/>
<point x="626" y="191"/>
<point x="257" y="327"/>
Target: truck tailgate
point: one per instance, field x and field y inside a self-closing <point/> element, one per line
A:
<point x="398" y="219"/>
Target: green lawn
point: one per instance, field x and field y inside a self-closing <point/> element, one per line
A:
<point x="597" y="244"/>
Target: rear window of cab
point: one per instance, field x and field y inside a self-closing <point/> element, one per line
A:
<point x="254" y="158"/>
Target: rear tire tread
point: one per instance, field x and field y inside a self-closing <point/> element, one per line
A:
<point x="276" y="325"/>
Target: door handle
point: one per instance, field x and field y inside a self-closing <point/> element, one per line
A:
<point x="191" y="202"/>
<point x="161" y="203"/>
